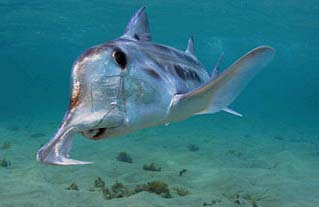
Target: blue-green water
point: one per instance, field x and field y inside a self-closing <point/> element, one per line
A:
<point x="273" y="148"/>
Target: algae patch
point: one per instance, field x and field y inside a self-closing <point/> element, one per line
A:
<point x="182" y="172"/>
<point x="152" y="167"/>
<point x="124" y="157"/>
<point x="5" y="163"/>
<point x="181" y="191"/>
<point x="5" y="145"/>
<point x="73" y="186"/>
<point x="99" y="183"/>
<point x="193" y="147"/>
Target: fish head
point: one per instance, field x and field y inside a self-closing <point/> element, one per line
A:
<point x="97" y="91"/>
<point x="97" y="102"/>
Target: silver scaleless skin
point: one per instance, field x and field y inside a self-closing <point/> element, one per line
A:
<point x="131" y="83"/>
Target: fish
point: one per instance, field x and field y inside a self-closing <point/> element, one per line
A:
<point x="131" y="83"/>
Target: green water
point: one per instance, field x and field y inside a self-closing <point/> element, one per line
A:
<point x="273" y="148"/>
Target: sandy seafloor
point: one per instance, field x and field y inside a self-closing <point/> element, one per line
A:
<point x="276" y="165"/>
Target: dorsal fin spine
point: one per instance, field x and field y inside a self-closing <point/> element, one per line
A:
<point x="190" y="50"/>
<point x="138" y="28"/>
<point x="215" y="70"/>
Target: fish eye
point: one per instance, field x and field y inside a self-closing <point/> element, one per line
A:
<point x="120" y="58"/>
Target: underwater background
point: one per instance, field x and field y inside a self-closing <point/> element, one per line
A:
<point x="269" y="157"/>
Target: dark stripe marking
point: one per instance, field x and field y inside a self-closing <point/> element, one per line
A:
<point x="153" y="73"/>
<point x="180" y="72"/>
<point x="186" y="74"/>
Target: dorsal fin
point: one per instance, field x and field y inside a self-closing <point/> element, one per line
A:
<point x="190" y="50"/>
<point x="137" y="28"/>
<point x="215" y="70"/>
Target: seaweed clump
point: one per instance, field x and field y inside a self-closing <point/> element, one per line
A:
<point x="278" y="138"/>
<point x="5" y="145"/>
<point x="107" y="194"/>
<point x="152" y="167"/>
<point x="118" y="190"/>
<point x="234" y="153"/>
<point x="213" y="202"/>
<point x="156" y="187"/>
<point x="124" y="157"/>
<point x="5" y="163"/>
<point x="181" y="173"/>
<point x="181" y="191"/>
<point x="99" y="183"/>
<point x="253" y="200"/>
<point x="193" y="147"/>
<point x="73" y="186"/>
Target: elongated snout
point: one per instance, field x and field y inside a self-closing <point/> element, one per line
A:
<point x="56" y="151"/>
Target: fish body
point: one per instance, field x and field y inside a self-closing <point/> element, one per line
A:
<point x="131" y="83"/>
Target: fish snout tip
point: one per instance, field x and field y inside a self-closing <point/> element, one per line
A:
<point x="41" y="155"/>
<point x="45" y="158"/>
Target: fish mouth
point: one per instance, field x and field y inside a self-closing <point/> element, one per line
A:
<point x="97" y="133"/>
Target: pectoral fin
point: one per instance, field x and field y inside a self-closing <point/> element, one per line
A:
<point x="218" y="93"/>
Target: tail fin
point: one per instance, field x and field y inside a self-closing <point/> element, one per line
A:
<point x="218" y="93"/>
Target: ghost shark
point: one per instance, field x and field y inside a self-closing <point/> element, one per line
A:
<point x="131" y="83"/>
